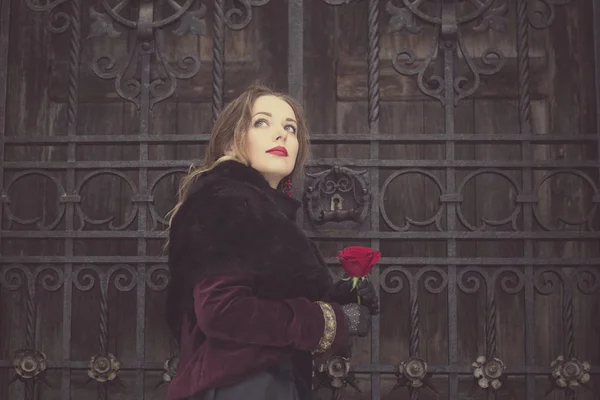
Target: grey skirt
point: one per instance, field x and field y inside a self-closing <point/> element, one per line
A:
<point x="276" y="383"/>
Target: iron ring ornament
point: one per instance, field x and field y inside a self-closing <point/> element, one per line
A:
<point x="330" y="191"/>
<point x="50" y="221"/>
<point x="436" y="218"/>
<point x="520" y="200"/>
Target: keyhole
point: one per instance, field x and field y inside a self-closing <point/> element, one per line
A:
<point x="336" y="202"/>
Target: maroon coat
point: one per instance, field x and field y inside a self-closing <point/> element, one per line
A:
<point x="244" y="281"/>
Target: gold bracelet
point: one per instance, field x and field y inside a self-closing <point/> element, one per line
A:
<point x="330" y="328"/>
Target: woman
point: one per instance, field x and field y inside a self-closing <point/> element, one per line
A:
<point x="250" y="298"/>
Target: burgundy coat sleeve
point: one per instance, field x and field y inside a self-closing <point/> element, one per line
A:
<point x="227" y="309"/>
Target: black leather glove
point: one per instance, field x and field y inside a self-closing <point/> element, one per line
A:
<point x="368" y="296"/>
<point x="358" y="320"/>
<point x="342" y="293"/>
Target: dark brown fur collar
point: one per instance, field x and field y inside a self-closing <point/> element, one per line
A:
<point x="239" y="172"/>
<point x="234" y="222"/>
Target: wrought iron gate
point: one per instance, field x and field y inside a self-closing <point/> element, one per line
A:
<point x="345" y="197"/>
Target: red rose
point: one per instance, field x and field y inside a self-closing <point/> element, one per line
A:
<point x="358" y="261"/>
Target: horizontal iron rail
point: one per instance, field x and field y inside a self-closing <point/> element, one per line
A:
<point x="440" y="261"/>
<point x="325" y="162"/>
<point x="329" y="234"/>
<point x="382" y="368"/>
<point x="315" y="138"/>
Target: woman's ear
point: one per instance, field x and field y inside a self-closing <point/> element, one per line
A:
<point x="229" y="151"/>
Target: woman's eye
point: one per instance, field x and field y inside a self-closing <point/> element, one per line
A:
<point x="259" y="123"/>
<point x="291" y="128"/>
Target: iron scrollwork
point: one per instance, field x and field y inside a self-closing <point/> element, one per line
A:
<point x="54" y="20"/>
<point x="447" y="20"/>
<point x="568" y="372"/>
<point x="29" y="363"/>
<point x="544" y="11"/>
<point x="146" y="90"/>
<point x="238" y="17"/>
<point x="330" y="192"/>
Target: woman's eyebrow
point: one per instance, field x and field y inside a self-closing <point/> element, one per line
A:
<point x="271" y="115"/>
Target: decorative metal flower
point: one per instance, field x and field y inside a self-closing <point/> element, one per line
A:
<point x="413" y="372"/>
<point x="570" y="373"/>
<point x="103" y="368"/>
<point x="488" y="373"/>
<point x="170" y="369"/>
<point x="337" y="369"/>
<point x="334" y="372"/>
<point x="29" y="363"/>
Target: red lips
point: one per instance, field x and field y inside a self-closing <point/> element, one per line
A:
<point x="278" y="151"/>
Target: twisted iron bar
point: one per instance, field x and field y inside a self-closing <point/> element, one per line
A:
<point x="490" y="329"/>
<point x="567" y="308"/>
<point x="568" y="327"/>
<point x="30" y="336"/>
<point x="414" y="337"/>
<point x="373" y="54"/>
<point x="523" y="66"/>
<point x="74" y="56"/>
<point x="490" y="326"/>
<point x="218" y="58"/>
<point x="102" y="388"/>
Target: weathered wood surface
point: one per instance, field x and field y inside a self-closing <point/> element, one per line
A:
<point x="563" y="103"/>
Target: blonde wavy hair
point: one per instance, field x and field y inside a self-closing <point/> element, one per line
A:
<point x="230" y="132"/>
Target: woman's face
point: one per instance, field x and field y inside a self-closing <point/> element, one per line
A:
<point x="272" y="141"/>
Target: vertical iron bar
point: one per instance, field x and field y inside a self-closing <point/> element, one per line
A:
<point x="567" y="314"/>
<point x="526" y="154"/>
<point x="146" y="49"/>
<point x="4" y="43"/>
<point x="102" y="387"/>
<point x="490" y="327"/>
<point x="296" y="76"/>
<point x="448" y="36"/>
<point x="296" y="49"/>
<point x="414" y="338"/>
<point x="373" y="116"/>
<point x="218" y="57"/>
<point x="73" y="108"/>
<point x="596" y="23"/>
<point x="490" y="323"/>
<point x="145" y="129"/>
<point x="30" y="331"/>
